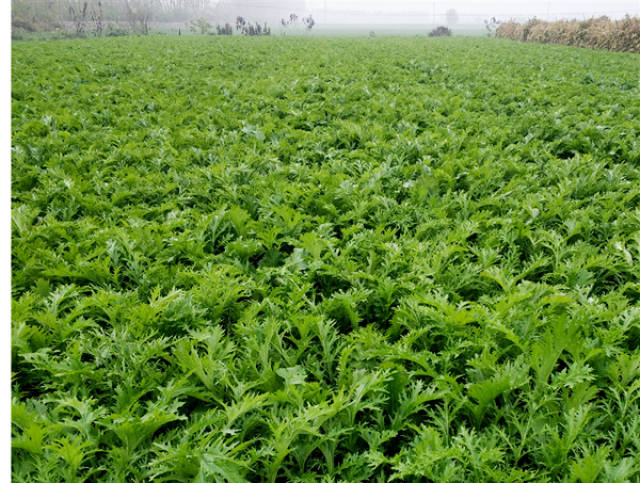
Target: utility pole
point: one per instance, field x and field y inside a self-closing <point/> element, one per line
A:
<point x="434" y="14"/>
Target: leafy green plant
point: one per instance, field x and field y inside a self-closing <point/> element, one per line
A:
<point x="394" y="260"/>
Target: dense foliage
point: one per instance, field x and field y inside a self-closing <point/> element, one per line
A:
<point x="595" y="33"/>
<point x="286" y="259"/>
<point x="441" y="31"/>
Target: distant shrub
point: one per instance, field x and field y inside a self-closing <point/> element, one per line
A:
<point x="595" y="33"/>
<point x="61" y="33"/>
<point x="291" y="22"/>
<point x="23" y="28"/>
<point x="225" y="29"/>
<point x="440" y="31"/>
<point x="18" y="33"/>
<point x="200" y="26"/>
<point x="252" y="29"/>
<point x="257" y="29"/>
<point x="115" y="31"/>
<point x="23" y="25"/>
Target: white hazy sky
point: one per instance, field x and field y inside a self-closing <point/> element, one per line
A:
<point x="515" y="5"/>
<point x="486" y="7"/>
<point x="469" y="11"/>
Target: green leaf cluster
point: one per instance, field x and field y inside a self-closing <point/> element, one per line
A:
<point x="324" y="260"/>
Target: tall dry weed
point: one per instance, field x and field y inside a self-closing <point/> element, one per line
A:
<point x="595" y="33"/>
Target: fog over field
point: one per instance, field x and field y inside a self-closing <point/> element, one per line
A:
<point x="469" y="12"/>
<point x="336" y="12"/>
<point x="408" y="12"/>
<point x="417" y="11"/>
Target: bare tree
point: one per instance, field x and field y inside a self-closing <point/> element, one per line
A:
<point x="308" y="22"/>
<point x="491" y="26"/>
<point x="289" y="22"/>
<point x="97" y="18"/>
<point x="78" y="12"/>
<point x="139" y="14"/>
<point x="241" y="23"/>
<point x="84" y="16"/>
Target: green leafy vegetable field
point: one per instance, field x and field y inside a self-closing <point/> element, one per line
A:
<point x="304" y="259"/>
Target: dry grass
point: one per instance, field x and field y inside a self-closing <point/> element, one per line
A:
<point x="596" y="33"/>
